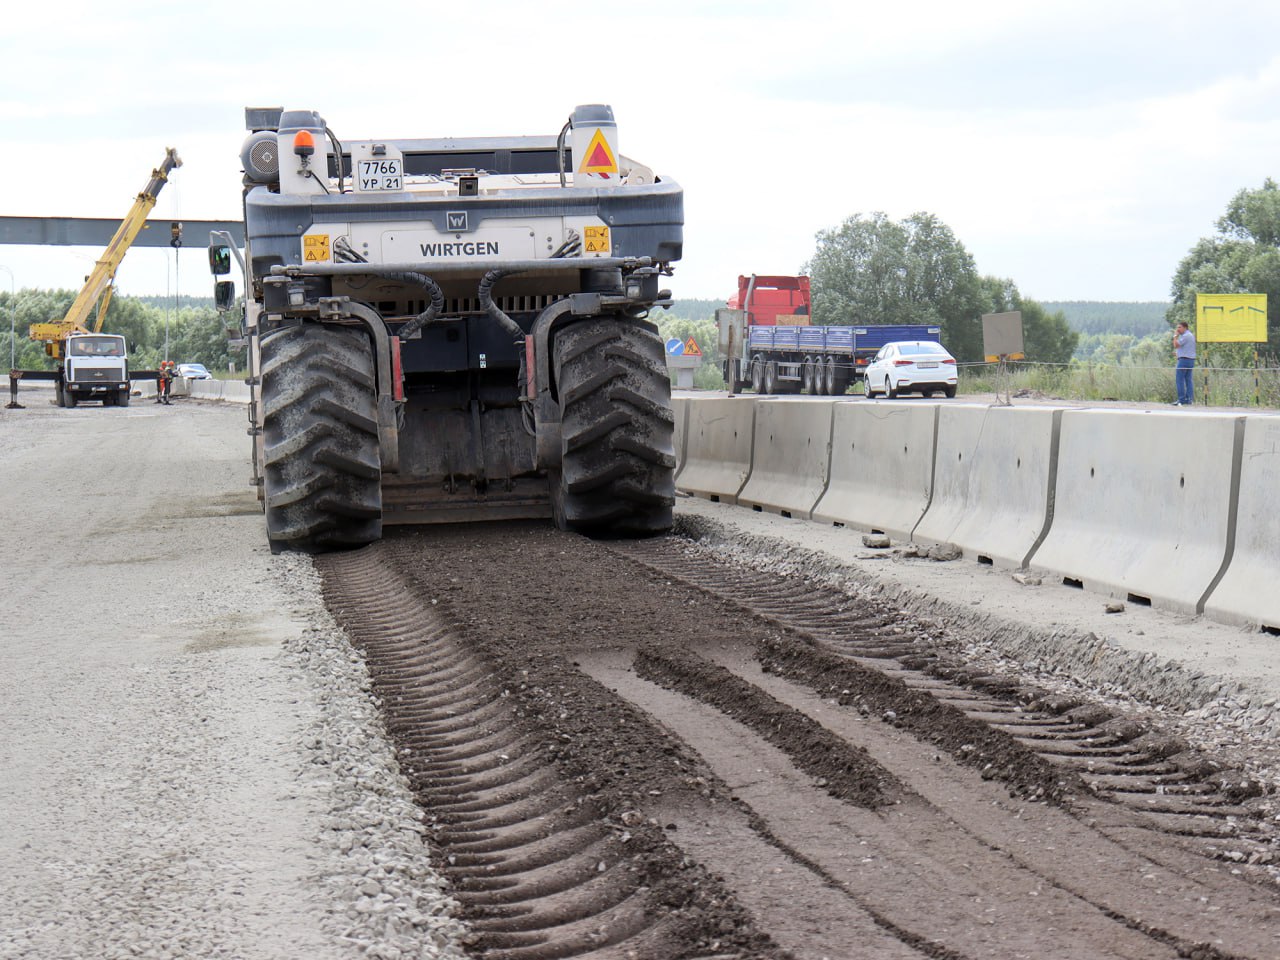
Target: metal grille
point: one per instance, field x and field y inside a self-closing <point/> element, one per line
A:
<point x="263" y="156"/>
<point x="468" y="306"/>
<point x="112" y="374"/>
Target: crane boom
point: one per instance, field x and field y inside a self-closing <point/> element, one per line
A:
<point x="98" y="286"/>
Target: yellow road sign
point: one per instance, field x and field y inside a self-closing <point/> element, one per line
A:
<point x="1231" y="317"/>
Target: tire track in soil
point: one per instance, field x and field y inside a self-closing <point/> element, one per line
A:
<point x="537" y="860"/>
<point x="552" y="621"/>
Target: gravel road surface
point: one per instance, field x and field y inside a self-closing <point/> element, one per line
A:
<point x="192" y="764"/>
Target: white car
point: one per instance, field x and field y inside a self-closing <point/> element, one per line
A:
<point x="194" y="371"/>
<point x="911" y="366"/>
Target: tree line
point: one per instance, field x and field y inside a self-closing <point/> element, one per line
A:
<point x="872" y="270"/>
<point x="185" y="330"/>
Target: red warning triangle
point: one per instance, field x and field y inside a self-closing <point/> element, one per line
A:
<point x="691" y="348"/>
<point x="599" y="158"/>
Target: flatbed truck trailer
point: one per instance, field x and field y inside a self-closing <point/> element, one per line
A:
<point x="774" y="359"/>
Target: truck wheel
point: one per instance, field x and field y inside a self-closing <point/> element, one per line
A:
<point x="839" y="378"/>
<point x="757" y="375"/>
<point x="770" y="377"/>
<point x="68" y="398"/>
<point x="617" y="468"/>
<point x="322" y="477"/>
<point x="828" y="374"/>
<point x="122" y="398"/>
<point x="806" y="376"/>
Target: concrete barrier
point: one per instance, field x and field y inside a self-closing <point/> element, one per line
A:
<point x="881" y="466"/>
<point x="680" y="409"/>
<point x="1247" y="592"/>
<point x="790" y="456"/>
<point x="992" y="479"/>
<point x="1142" y="504"/>
<point x="717" y="444"/>
<point x="204" y="389"/>
<point x="236" y="391"/>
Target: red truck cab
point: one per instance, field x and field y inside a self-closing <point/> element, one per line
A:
<point x="766" y="299"/>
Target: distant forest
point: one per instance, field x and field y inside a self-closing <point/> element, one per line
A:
<point x="1135" y="319"/>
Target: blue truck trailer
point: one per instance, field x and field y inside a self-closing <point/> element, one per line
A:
<point x="804" y="359"/>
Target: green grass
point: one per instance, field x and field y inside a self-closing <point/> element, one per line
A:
<point x="1226" y="388"/>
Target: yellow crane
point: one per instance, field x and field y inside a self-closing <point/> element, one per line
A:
<point x="99" y="285"/>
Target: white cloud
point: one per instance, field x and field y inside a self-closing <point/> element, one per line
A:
<point x="1077" y="147"/>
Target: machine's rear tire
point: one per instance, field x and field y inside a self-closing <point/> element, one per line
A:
<point x="807" y="378"/>
<point x="323" y="467"/>
<point x="757" y="375"/>
<point x="617" y="469"/>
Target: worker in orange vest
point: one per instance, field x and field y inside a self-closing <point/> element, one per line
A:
<point x="165" y="381"/>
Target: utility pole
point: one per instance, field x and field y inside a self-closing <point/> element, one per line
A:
<point x="13" y="316"/>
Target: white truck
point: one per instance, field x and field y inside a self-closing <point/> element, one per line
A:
<point x="96" y="367"/>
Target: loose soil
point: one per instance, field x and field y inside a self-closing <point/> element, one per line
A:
<point x="758" y="751"/>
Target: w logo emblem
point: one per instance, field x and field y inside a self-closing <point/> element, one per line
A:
<point x="456" y="220"/>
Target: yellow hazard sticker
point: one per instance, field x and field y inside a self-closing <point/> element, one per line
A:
<point x="599" y="157"/>
<point x="315" y="248"/>
<point x="596" y="240"/>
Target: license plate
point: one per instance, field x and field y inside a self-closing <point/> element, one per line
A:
<point x="384" y="174"/>
<point x="928" y="365"/>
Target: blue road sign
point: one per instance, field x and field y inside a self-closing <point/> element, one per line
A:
<point x="675" y="347"/>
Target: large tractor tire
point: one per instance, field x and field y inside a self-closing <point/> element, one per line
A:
<point x="617" y="470"/>
<point x="322" y="472"/>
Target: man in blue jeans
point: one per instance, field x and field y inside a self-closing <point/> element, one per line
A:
<point x="1184" y="350"/>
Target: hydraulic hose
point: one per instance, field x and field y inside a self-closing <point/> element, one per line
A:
<point x="560" y="148"/>
<point x="492" y="309"/>
<point x="428" y="315"/>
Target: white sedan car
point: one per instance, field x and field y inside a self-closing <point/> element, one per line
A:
<point x="194" y="371"/>
<point x="911" y="366"/>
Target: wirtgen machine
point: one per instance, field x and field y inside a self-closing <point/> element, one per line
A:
<point x="454" y="330"/>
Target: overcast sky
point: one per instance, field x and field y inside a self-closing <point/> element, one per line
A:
<point x="1079" y="147"/>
